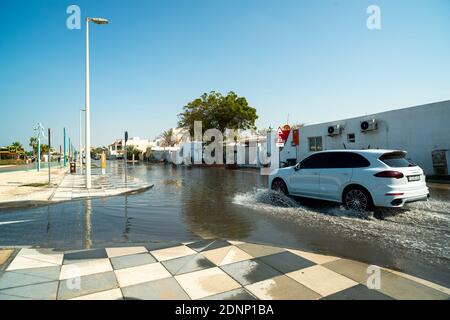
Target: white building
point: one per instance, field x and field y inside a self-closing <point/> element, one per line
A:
<point x="115" y="150"/>
<point x="161" y="150"/>
<point x="418" y="130"/>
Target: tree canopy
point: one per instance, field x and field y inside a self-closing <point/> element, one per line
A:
<point x="131" y="149"/>
<point x="167" y="138"/>
<point x="17" y="144"/>
<point x="218" y="112"/>
<point x="98" y="151"/>
<point x="33" y="144"/>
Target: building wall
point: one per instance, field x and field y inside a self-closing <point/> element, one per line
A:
<point x="417" y="130"/>
<point x="289" y="152"/>
<point x="140" y="144"/>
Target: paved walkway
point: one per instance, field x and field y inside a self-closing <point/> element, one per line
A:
<point x="29" y="186"/>
<point x="207" y="269"/>
<point x="22" y="188"/>
<point x="74" y="187"/>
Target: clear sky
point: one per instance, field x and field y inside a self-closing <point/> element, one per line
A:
<point x="314" y="60"/>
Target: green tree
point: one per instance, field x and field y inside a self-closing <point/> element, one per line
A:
<point x="19" y="148"/>
<point x="98" y="151"/>
<point x="132" y="150"/>
<point x="44" y="149"/>
<point x="33" y="144"/>
<point x="167" y="138"/>
<point x="17" y="144"/>
<point x="218" y="112"/>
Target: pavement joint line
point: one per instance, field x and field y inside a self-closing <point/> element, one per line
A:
<point x="173" y="277"/>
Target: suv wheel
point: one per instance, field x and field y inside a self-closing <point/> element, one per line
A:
<point x="357" y="199"/>
<point x="280" y="186"/>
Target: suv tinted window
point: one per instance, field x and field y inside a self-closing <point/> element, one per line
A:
<point x="346" y="160"/>
<point x="396" y="160"/>
<point x="316" y="161"/>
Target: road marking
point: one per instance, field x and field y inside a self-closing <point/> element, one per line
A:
<point x="11" y="222"/>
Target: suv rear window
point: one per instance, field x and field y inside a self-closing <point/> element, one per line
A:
<point x="335" y="160"/>
<point x="338" y="160"/>
<point x="396" y="160"/>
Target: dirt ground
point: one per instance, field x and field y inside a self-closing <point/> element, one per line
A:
<point x="29" y="185"/>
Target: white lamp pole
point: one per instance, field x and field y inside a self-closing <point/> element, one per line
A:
<point x="80" y="152"/>
<point x="87" y="103"/>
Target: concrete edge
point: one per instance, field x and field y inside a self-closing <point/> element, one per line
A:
<point x="57" y="186"/>
<point x="40" y="203"/>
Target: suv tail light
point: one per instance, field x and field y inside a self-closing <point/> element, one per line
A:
<point x="389" y="174"/>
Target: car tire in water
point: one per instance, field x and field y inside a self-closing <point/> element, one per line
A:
<point x="280" y="186"/>
<point x="357" y="199"/>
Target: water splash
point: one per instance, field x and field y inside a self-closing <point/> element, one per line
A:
<point x="270" y="200"/>
<point x="421" y="227"/>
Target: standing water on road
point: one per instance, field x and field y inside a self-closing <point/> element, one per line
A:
<point x="189" y="203"/>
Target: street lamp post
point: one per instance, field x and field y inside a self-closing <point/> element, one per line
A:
<point x="80" y="153"/>
<point x="87" y="103"/>
<point x="64" y="131"/>
<point x="49" y="164"/>
<point x="39" y="131"/>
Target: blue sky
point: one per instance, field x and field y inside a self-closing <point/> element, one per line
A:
<point x="314" y="60"/>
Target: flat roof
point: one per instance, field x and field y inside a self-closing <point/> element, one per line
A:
<point x="378" y="113"/>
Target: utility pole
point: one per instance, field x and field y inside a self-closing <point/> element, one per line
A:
<point x="49" y="165"/>
<point x="81" y="142"/>
<point x="39" y="154"/>
<point x="65" y="147"/>
<point x="125" y="156"/>
<point x="87" y="104"/>
<point x="38" y="130"/>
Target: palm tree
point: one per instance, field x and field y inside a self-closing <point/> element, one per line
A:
<point x="132" y="150"/>
<point x="44" y="149"/>
<point x="19" y="148"/>
<point x="167" y="137"/>
<point x="33" y="144"/>
<point x="17" y="144"/>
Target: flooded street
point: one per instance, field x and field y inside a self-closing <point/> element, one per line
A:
<point x="187" y="204"/>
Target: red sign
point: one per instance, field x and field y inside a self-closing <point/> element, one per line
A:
<point x="295" y="137"/>
<point x="283" y="134"/>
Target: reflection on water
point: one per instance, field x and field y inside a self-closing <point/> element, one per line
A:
<point x="88" y="224"/>
<point x="188" y="203"/>
<point x="185" y="204"/>
<point x="127" y="225"/>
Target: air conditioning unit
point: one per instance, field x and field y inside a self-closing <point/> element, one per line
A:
<point x="335" y="130"/>
<point x="369" y="125"/>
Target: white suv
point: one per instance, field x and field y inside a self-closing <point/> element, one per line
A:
<point x="360" y="179"/>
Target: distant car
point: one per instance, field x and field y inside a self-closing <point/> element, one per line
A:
<point x="360" y="179"/>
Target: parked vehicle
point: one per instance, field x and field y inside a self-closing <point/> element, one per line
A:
<point x="360" y="179"/>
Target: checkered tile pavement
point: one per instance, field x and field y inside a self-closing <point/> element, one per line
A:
<point x="207" y="269"/>
<point x="73" y="187"/>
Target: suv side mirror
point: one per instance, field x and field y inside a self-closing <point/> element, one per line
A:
<point x="298" y="166"/>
